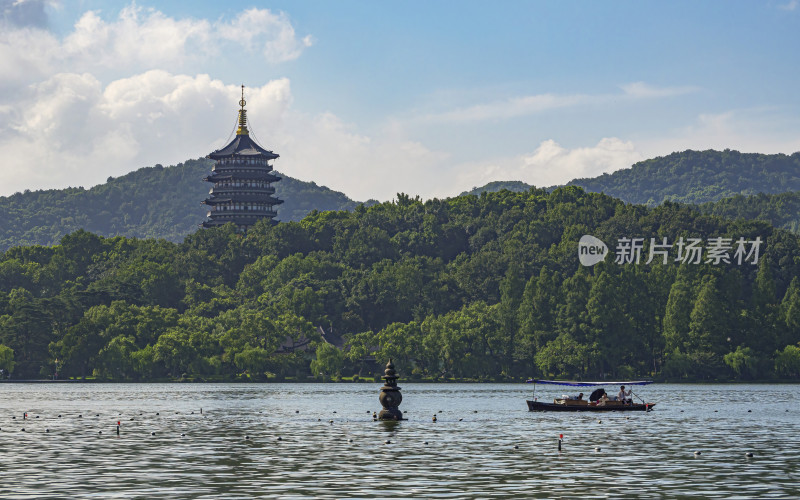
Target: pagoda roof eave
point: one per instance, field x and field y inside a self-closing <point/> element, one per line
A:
<point x="268" y="200"/>
<point x="244" y="176"/>
<point x="242" y="145"/>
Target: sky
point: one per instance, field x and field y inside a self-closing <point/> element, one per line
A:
<point x="377" y="98"/>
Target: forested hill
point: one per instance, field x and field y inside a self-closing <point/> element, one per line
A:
<point x="781" y="210"/>
<point x="474" y="287"/>
<point x="699" y="177"/>
<point x="152" y="202"/>
<point x="494" y="186"/>
<point x="159" y="202"/>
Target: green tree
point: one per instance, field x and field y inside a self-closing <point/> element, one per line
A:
<point x="329" y="361"/>
<point x="6" y="360"/>
<point x="677" y="315"/>
<point x="562" y="357"/>
<point x="790" y="313"/>
<point x="743" y="362"/>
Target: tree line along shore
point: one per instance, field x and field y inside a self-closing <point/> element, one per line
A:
<point x="484" y="288"/>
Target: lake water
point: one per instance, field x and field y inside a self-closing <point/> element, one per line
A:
<point x="641" y="454"/>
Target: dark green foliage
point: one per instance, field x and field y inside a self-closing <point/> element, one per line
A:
<point x="699" y="177"/>
<point x="152" y="202"/>
<point x="494" y="186"/>
<point x="781" y="210"/>
<point x="474" y="287"/>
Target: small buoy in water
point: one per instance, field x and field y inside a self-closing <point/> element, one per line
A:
<point x="749" y="454"/>
<point x="350" y="440"/>
<point x="334" y="411"/>
<point x="434" y="418"/>
<point x="80" y="416"/>
<point x="59" y="416"/>
<point x="596" y="448"/>
<point x="47" y="430"/>
<point x="387" y="442"/>
<point x="516" y="446"/>
<point x="474" y="411"/>
<point x="13" y="418"/>
<point x="37" y="416"/>
<point x="698" y="452"/>
<point x="99" y="432"/>
<point x="319" y="420"/>
<point x="247" y="437"/>
<point x="716" y="411"/>
<point x="158" y="413"/>
<point x="460" y="419"/>
<point x="280" y="438"/>
<point x="193" y="413"/>
<point x="748" y="411"/>
<point x="152" y="433"/>
<point x="599" y="421"/>
<point x="440" y="411"/>
<point x="330" y="421"/>
<point x="183" y="435"/>
<point x="297" y="411"/>
<point x="627" y="418"/>
<point x="425" y="442"/>
<point x="131" y="419"/>
<point x="97" y="415"/>
<point x="22" y="430"/>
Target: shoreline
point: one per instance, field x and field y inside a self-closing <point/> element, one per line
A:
<point x="659" y="382"/>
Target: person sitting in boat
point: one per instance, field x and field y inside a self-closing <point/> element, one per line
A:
<point x="624" y="396"/>
<point x="596" y="394"/>
<point x="579" y="397"/>
<point x="603" y="400"/>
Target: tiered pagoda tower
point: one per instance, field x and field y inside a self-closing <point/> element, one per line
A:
<point x="242" y="178"/>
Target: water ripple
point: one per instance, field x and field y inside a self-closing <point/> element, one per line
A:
<point x="485" y="443"/>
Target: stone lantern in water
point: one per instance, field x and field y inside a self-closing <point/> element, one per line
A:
<point x="390" y="397"/>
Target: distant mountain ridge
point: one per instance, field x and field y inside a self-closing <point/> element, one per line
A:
<point x="164" y="202"/>
<point x="152" y="202"/>
<point x="693" y="177"/>
<point x="495" y="186"/>
<point x="699" y="177"/>
<point x="725" y="183"/>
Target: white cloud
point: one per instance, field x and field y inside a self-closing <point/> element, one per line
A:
<point x="792" y="5"/>
<point x="510" y="108"/>
<point x="72" y="130"/>
<point x="537" y="103"/>
<point x="642" y="90"/>
<point x="551" y="164"/>
<point x="756" y="130"/>
<point x="330" y="152"/>
<point x="272" y="34"/>
<point x="75" y="131"/>
<point x="140" y="39"/>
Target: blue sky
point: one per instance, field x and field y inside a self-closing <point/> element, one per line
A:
<point x="373" y="98"/>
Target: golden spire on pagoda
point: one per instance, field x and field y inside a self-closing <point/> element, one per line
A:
<point x="242" y="130"/>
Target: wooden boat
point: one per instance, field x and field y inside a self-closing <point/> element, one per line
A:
<point x="566" y="404"/>
<point x="573" y="405"/>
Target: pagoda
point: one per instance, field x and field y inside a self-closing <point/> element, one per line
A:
<point x="242" y="178"/>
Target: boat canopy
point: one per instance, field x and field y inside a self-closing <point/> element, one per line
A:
<point x="587" y="384"/>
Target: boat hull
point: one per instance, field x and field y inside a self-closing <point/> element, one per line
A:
<point x="539" y="406"/>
